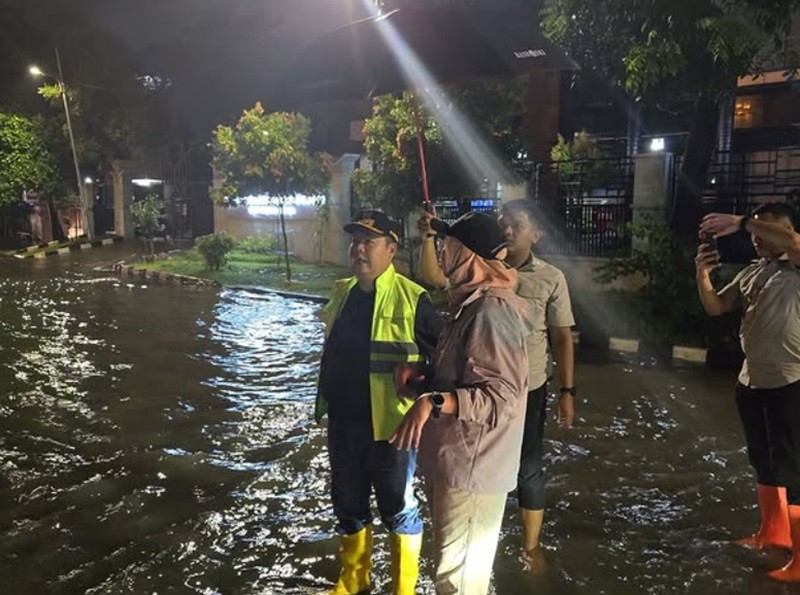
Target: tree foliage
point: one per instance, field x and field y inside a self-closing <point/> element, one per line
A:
<point x="26" y="161"/>
<point x="267" y="154"/>
<point x="118" y="111"/>
<point x="146" y="215"/>
<point x="687" y="46"/>
<point x="390" y="144"/>
<point x="580" y="160"/>
<point x="394" y="180"/>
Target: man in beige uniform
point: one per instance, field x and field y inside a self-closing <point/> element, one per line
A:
<point x="768" y="390"/>
<point x="545" y="288"/>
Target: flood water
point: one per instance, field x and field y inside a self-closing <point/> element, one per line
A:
<point x="158" y="439"/>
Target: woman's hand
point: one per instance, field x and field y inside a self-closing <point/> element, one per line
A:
<point x="409" y="432"/>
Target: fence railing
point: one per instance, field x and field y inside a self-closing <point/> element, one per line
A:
<point x="583" y="206"/>
<point x="738" y="181"/>
<point x="585" y="229"/>
<point x="601" y="178"/>
<point x="586" y="206"/>
<point x="581" y="228"/>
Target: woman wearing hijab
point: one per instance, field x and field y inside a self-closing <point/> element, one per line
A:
<point x="469" y="427"/>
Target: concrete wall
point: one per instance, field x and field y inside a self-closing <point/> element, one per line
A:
<point x="652" y="182"/>
<point x="123" y="196"/>
<point x="301" y="228"/>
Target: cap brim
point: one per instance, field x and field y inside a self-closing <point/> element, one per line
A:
<point x="354" y="228"/>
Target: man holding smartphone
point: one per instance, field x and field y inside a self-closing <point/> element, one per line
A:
<point x="768" y="388"/>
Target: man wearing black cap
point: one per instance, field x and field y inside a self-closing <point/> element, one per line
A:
<point x="469" y="429"/>
<point x="374" y="321"/>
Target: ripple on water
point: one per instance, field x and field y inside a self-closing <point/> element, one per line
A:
<point x="161" y="440"/>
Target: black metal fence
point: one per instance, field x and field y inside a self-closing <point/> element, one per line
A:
<point x="586" y="206"/>
<point x="103" y="219"/>
<point x="737" y="182"/>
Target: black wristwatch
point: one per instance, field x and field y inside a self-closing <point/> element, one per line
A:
<point x="569" y="389"/>
<point x="743" y="223"/>
<point x="437" y="399"/>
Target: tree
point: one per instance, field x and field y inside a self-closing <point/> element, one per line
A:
<point x="267" y="154"/>
<point x="684" y="50"/>
<point x="146" y="216"/>
<point x="26" y="161"/>
<point x="394" y="182"/>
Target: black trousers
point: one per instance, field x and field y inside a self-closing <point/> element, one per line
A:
<point x="771" y="421"/>
<point x="530" y="479"/>
<point x="359" y="464"/>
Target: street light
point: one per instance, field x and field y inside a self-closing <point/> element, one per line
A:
<point x="38" y="72"/>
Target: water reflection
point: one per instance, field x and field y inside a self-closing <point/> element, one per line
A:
<point x="159" y="439"/>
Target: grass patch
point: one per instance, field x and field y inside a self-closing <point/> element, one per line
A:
<point x="246" y="268"/>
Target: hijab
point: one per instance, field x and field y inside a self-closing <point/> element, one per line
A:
<point x="466" y="272"/>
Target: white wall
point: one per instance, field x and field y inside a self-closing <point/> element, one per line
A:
<point x="301" y="228"/>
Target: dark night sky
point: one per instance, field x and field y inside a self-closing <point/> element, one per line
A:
<point x="221" y="55"/>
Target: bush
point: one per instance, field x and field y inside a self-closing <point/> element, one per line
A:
<point x="581" y="160"/>
<point x="215" y="248"/>
<point x="257" y="245"/>
<point x="666" y="308"/>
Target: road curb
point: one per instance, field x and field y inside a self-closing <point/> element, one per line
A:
<point x="127" y="270"/>
<point x="680" y="353"/>
<point x="56" y="249"/>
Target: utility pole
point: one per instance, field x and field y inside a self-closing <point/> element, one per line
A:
<point x="87" y="227"/>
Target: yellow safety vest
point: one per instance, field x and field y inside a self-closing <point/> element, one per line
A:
<point x="392" y="342"/>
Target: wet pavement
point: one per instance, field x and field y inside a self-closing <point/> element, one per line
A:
<point x="158" y="439"/>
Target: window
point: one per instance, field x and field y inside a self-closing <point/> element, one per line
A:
<point x="749" y="111"/>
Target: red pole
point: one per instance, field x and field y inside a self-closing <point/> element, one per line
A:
<point x="426" y="198"/>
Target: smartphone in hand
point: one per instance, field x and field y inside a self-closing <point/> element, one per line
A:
<point x="711" y="242"/>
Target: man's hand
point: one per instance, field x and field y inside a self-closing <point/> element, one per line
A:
<point x="707" y="260"/>
<point x="409" y="432"/>
<point x="406" y="377"/>
<point x="565" y="411"/>
<point x="720" y="224"/>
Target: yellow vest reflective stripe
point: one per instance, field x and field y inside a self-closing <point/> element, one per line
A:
<point x="392" y="342"/>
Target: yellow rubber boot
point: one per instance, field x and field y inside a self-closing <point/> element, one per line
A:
<point x="791" y="572"/>
<point x="774" y="530"/>
<point x="355" y="556"/>
<point x="405" y="562"/>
